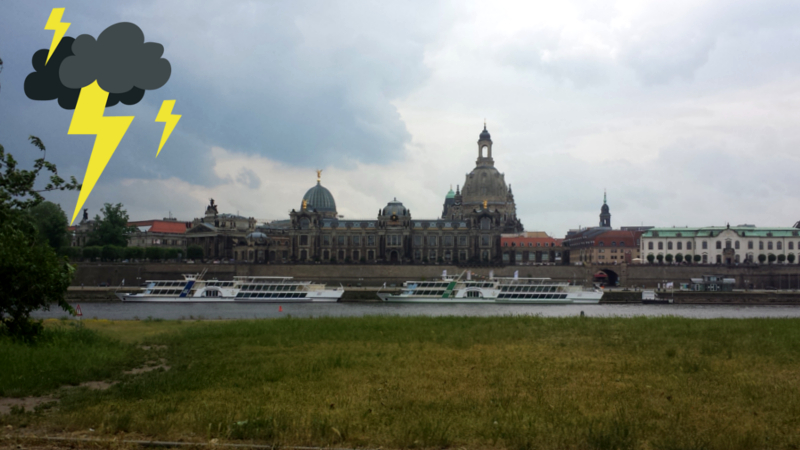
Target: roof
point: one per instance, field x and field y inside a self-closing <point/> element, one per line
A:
<point x="160" y="226"/>
<point x="319" y="198"/>
<point x="522" y="241"/>
<point x="715" y="231"/>
<point x="485" y="136"/>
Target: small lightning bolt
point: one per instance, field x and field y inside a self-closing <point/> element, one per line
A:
<point x="89" y="119"/>
<point x="165" y="115"/>
<point x="60" y="28"/>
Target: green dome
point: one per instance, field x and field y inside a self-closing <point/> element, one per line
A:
<point x="451" y="194"/>
<point x="320" y="199"/>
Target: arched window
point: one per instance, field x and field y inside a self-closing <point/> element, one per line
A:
<point x="661" y="246"/>
<point x="779" y="245"/>
<point x="613" y="244"/>
<point x="486" y="223"/>
<point x="791" y="245"/>
<point x="719" y="245"/>
<point x="304" y="223"/>
<point x="649" y="245"/>
<point x="669" y="245"/>
<point x="736" y="246"/>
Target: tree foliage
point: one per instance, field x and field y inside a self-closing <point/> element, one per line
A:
<point x="52" y="224"/>
<point x="651" y="258"/>
<point x="669" y="257"/>
<point x="154" y="253"/>
<point x="761" y="258"/>
<point x="194" y="252"/>
<point x="112" y="229"/>
<point x="697" y="258"/>
<point x="790" y="257"/>
<point x="32" y="275"/>
<point x="679" y="258"/>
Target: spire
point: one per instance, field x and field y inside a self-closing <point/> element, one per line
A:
<point x="604" y="196"/>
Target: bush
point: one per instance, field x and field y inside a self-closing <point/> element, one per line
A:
<point x="172" y="253"/>
<point x="651" y="258"/>
<point x="73" y="253"/>
<point x="133" y="252"/>
<point x="697" y="258"/>
<point x="679" y="258"/>
<point x="669" y="257"/>
<point x="660" y="258"/>
<point x="111" y="253"/>
<point x="771" y="258"/>
<point x="154" y="253"/>
<point x="761" y="258"/>
<point x="195" y="252"/>
<point x="790" y="257"/>
<point x="92" y="253"/>
<point x="781" y="258"/>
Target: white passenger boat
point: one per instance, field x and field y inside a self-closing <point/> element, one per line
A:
<point x="493" y="290"/>
<point x="193" y="289"/>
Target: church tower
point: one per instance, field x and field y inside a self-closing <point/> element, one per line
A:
<point x="605" y="215"/>
<point x="485" y="148"/>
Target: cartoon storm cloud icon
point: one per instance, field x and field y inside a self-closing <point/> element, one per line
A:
<point x="89" y="75"/>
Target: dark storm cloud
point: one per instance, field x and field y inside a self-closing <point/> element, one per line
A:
<point x="45" y="83"/>
<point x="119" y="60"/>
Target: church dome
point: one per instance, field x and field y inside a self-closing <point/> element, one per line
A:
<point x="395" y="207"/>
<point x="319" y="198"/>
<point x="484" y="183"/>
<point x="450" y="194"/>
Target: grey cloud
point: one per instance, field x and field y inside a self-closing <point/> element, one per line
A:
<point x="249" y="179"/>
<point x="119" y="60"/>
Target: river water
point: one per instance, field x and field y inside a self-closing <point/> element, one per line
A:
<point x="174" y="311"/>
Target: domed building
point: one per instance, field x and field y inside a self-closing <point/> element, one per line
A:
<point x="485" y="192"/>
<point x="319" y="199"/>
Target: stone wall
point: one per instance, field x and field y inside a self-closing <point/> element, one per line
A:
<point x="759" y="277"/>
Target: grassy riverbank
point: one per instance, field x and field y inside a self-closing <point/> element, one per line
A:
<point x="412" y="382"/>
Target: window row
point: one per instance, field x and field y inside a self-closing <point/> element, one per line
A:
<point x="778" y="245"/>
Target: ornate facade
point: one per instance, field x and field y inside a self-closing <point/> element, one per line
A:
<point x="469" y="230"/>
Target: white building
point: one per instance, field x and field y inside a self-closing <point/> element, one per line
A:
<point x="722" y="245"/>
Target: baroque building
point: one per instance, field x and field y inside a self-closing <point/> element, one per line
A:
<point x="473" y="219"/>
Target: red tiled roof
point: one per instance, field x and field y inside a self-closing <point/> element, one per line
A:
<point x="621" y="238"/>
<point x="533" y="241"/>
<point x="161" y="226"/>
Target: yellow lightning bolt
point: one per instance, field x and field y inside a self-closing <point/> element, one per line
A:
<point x="170" y="120"/>
<point x="54" y="23"/>
<point x="89" y="119"/>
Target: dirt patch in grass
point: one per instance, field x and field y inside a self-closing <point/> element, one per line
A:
<point x="8" y="405"/>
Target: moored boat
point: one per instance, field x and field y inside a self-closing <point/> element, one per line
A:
<point x="194" y="289"/>
<point x="492" y="290"/>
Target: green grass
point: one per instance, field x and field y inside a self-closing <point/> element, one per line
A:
<point x="65" y="354"/>
<point x="420" y="382"/>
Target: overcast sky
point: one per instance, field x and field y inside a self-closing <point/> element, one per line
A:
<point x="685" y="111"/>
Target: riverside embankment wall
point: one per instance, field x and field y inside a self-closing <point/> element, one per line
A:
<point x="758" y="277"/>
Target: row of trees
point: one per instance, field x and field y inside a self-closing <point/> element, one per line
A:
<point x="679" y="258"/>
<point x="117" y="253"/>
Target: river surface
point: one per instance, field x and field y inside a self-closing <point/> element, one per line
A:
<point x="174" y="311"/>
